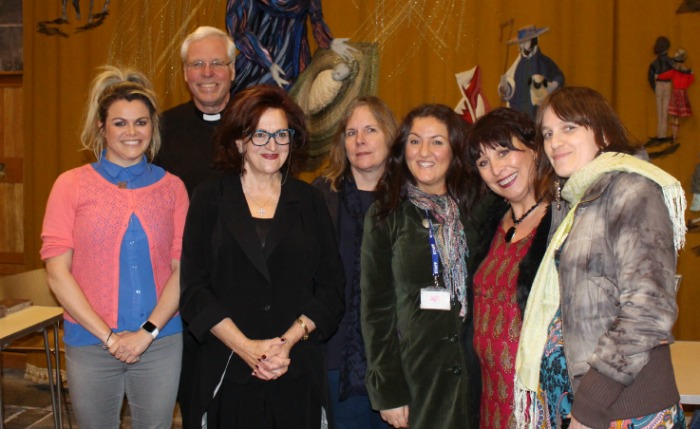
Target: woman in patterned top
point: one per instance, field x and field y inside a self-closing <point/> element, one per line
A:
<point x="501" y="150"/>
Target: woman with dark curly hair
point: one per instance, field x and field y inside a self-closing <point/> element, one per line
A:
<point x="262" y="281"/>
<point x="502" y="150"/>
<point x="413" y="277"/>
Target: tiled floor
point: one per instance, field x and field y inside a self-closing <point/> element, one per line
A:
<point x="28" y="405"/>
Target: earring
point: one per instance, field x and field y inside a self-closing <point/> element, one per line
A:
<point x="557" y="193"/>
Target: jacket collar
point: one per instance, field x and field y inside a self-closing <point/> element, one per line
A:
<point x="239" y="221"/>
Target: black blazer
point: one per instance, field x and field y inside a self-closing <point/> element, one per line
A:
<point x="226" y="273"/>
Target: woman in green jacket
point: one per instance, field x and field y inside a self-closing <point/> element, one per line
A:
<point x="414" y="302"/>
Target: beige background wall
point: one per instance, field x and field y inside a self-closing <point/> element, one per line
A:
<point x="605" y="44"/>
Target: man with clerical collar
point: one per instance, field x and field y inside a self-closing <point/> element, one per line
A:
<point x="208" y="56"/>
<point x="187" y="135"/>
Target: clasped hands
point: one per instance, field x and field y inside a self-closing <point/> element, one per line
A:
<point x="127" y="346"/>
<point x="269" y="359"/>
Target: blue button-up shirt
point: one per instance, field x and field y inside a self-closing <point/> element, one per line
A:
<point x="137" y="289"/>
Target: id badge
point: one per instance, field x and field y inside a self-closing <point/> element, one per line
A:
<point x="435" y="298"/>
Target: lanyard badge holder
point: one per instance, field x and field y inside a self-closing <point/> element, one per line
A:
<point x="434" y="297"/>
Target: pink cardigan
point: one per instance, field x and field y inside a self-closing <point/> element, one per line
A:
<point x="87" y="214"/>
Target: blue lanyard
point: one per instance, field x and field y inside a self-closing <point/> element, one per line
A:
<point x="433" y="249"/>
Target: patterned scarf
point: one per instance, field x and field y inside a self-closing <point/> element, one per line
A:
<point x="450" y="240"/>
<point x="543" y="302"/>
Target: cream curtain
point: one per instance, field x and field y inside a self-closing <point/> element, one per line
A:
<point x="605" y="44"/>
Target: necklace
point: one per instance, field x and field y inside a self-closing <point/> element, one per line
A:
<point x="511" y="231"/>
<point x="261" y="207"/>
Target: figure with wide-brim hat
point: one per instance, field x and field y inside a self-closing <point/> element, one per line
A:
<point x="531" y="75"/>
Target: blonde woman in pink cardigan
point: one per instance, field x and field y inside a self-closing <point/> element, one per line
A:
<point x="112" y="238"/>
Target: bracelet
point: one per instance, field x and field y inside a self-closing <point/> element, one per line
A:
<point x="104" y="345"/>
<point x="306" y="330"/>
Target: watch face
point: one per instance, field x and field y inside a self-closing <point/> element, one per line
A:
<point x="149" y="327"/>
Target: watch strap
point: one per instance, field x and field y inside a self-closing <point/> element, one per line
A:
<point x="149" y="327"/>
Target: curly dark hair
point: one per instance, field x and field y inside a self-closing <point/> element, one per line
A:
<point x="497" y="129"/>
<point x="390" y="189"/>
<point x="241" y="118"/>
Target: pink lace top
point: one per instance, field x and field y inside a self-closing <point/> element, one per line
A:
<point x="87" y="214"/>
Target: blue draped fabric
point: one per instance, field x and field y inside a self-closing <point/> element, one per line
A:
<point x="273" y="31"/>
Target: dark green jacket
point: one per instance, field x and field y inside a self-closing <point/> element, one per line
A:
<point x="414" y="356"/>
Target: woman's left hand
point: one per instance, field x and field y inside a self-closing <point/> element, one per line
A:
<point x="276" y="362"/>
<point x="129" y="346"/>
<point x="575" y="424"/>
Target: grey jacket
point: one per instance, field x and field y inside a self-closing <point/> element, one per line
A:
<point x="616" y="273"/>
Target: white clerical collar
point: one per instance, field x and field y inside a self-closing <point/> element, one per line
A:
<point x="206" y="116"/>
<point x="211" y="118"/>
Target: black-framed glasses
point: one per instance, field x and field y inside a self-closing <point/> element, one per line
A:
<point x="282" y="137"/>
<point x="216" y="65"/>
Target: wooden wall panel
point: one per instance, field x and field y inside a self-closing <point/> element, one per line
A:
<point x="12" y="258"/>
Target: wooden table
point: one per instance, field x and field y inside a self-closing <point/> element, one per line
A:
<point x="686" y="366"/>
<point x="27" y="321"/>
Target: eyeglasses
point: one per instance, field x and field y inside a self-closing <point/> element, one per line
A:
<point x="216" y="65"/>
<point x="262" y="137"/>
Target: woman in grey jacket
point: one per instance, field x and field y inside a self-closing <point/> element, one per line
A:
<point x="603" y="303"/>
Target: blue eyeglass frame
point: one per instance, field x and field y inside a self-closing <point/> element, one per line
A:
<point x="273" y="136"/>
